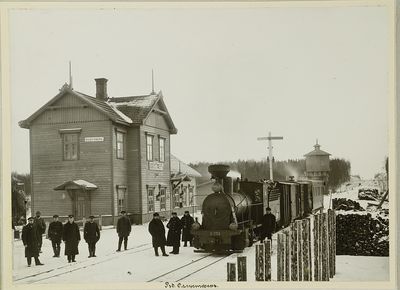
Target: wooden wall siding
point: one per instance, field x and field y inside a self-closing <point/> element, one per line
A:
<point x="70" y="112"/>
<point x="154" y="177"/>
<point x="49" y="169"/>
<point x="157" y="120"/>
<point x="134" y="170"/>
<point x="120" y="171"/>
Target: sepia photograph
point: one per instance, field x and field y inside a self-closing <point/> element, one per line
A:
<point x="200" y="145"/>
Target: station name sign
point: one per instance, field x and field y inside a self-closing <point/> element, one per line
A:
<point x="94" y="139"/>
<point x="155" y="165"/>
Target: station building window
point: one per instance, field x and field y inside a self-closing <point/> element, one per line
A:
<point x="150" y="199"/>
<point x="162" y="149"/>
<point x="120" y="145"/>
<point x="177" y="197"/>
<point x="70" y="146"/>
<point x="149" y="147"/>
<point x="163" y="200"/>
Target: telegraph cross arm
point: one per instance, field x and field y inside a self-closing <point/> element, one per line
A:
<point x="270" y="138"/>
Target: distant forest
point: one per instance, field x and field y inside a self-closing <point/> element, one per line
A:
<point x="256" y="170"/>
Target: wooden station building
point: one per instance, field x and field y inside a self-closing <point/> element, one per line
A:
<point x="100" y="155"/>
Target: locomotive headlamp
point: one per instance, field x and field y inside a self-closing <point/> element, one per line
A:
<point x="233" y="226"/>
<point x="217" y="187"/>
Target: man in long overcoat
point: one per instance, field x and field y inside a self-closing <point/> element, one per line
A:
<point x="174" y="233"/>
<point x="157" y="231"/>
<point x="40" y="227"/>
<point x="71" y="238"/>
<point x="55" y="235"/>
<point x="124" y="228"/>
<point x="30" y="242"/>
<point x="91" y="234"/>
<point x="268" y="225"/>
<point x="187" y="222"/>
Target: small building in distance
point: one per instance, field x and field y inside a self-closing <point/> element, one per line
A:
<point x="183" y="186"/>
<point x="205" y="188"/>
<point x="317" y="164"/>
<point x="100" y="155"/>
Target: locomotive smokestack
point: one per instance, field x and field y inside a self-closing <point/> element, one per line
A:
<point x="218" y="170"/>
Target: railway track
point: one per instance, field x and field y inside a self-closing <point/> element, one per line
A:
<point x="182" y="272"/>
<point x="65" y="269"/>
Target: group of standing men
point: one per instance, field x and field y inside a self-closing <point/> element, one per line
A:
<point x="176" y="227"/>
<point x="32" y="237"/>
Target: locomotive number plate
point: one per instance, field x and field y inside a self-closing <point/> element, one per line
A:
<point x="215" y="234"/>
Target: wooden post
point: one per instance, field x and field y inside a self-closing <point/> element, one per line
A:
<point x="320" y="219"/>
<point x="306" y="259"/>
<point x="47" y="230"/>
<point x="316" y="248"/>
<point x="260" y="262"/>
<point x="331" y="243"/>
<point x="325" y="248"/>
<point x="242" y="268"/>
<point x="310" y="277"/>
<point x="231" y="271"/>
<point x="294" y="241"/>
<point x="287" y="256"/>
<point x="334" y="242"/>
<point x="267" y="269"/>
<point x="280" y="257"/>
<point x="100" y="222"/>
<point x="299" y="250"/>
<point x="83" y="222"/>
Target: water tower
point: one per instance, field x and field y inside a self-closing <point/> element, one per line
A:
<point x="317" y="164"/>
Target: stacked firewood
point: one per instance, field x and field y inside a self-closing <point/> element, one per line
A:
<point x="362" y="235"/>
<point x="346" y="204"/>
<point x="368" y="194"/>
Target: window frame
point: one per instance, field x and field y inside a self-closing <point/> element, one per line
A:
<point x="163" y="199"/>
<point x="161" y="154"/>
<point x="149" y="154"/>
<point x="152" y="199"/>
<point x="117" y="142"/>
<point x="77" y="142"/>
<point x="176" y="195"/>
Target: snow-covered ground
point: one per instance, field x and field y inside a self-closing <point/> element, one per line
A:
<point x="139" y="264"/>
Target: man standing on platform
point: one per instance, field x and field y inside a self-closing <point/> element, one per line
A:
<point x="123" y="229"/>
<point x="71" y="237"/>
<point x="91" y="234"/>
<point x="174" y="233"/>
<point x="268" y="225"/>
<point x="40" y="227"/>
<point x="30" y="242"/>
<point x="157" y="231"/>
<point x="187" y="222"/>
<point x="55" y="235"/>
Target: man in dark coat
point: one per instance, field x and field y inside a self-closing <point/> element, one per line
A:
<point x="30" y="241"/>
<point x="187" y="222"/>
<point x="268" y="225"/>
<point x="157" y="231"/>
<point x="71" y="238"/>
<point x="40" y="227"/>
<point x="123" y="229"/>
<point x="174" y="233"/>
<point x="55" y="235"/>
<point x="91" y="234"/>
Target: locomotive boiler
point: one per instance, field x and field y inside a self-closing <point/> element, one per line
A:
<point x="232" y="213"/>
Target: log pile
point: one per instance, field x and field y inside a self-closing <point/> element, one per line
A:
<point x="368" y="194"/>
<point x="346" y="204"/>
<point x="362" y="235"/>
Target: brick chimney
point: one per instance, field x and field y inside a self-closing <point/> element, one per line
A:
<point x="101" y="89"/>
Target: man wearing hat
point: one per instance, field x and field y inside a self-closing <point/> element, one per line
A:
<point x="187" y="222"/>
<point x="157" y="231"/>
<point x="71" y="238"/>
<point x="174" y="233"/>
<point x="30" y="242"/>
<point x="55" y="235"/>
<point x="268" y="225"/>
<point x="40" y="227"/>
<point x="124" y="228"/>
<point x="91" y="234"/>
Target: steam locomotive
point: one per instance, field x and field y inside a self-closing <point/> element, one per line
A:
<point x="232" y="214"/>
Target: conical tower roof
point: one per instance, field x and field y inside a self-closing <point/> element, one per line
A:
<point x="317" y="151"/>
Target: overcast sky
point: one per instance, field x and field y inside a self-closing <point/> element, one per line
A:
<point x="228" y="76"/>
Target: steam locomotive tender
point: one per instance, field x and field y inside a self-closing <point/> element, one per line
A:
<point x="232" y="214"/>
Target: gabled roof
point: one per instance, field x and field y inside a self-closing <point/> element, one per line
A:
<point x="180" y="168"/>
<point x="138" y="108"/>
<point x="99" y="105"/>
<point x="123" y="110"/>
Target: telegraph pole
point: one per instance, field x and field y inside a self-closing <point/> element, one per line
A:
<point x="270" y="138"/>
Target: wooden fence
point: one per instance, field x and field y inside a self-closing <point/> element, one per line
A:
<point x="306" y="251"/>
